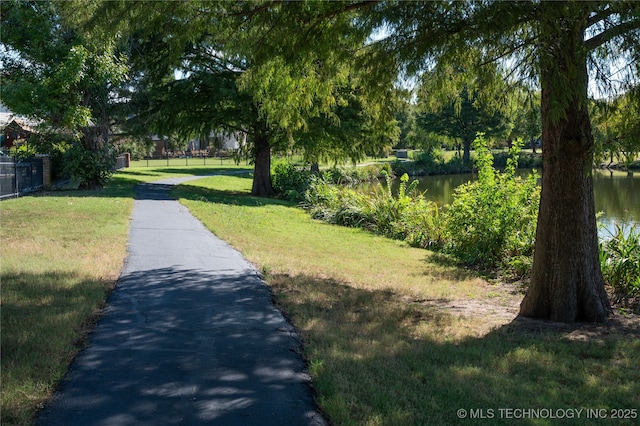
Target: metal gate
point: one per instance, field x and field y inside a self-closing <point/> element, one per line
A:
<point x="20" y="177"/>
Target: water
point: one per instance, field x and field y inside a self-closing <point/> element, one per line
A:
<point x="617" y="195"/>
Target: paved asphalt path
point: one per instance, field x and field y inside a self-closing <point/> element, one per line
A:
<point x="189" y="337"/>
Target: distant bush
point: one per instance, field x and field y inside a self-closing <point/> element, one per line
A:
<point x="292" y="181"/>
<point x="431" y="163"/>
<point x="526" y="160"/>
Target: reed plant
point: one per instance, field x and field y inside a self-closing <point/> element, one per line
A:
<point x="620" y="261"/>
<point x="407" y="216"/>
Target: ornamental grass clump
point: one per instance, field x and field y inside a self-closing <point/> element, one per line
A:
<point x="407" y="216"/>
<point x="620" y="262"/>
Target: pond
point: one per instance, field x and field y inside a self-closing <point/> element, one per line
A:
<point x="617" y="195"/>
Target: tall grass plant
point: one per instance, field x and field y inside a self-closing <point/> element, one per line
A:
<point x="620" y="261"/>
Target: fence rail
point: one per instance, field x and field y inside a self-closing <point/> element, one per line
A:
<point x="20" y="177"/>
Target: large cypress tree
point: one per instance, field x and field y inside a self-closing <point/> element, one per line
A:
<point x="554" y="44"/>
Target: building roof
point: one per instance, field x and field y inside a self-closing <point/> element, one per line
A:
<point x="7" y="117"/>
<point x="22" y="123"/>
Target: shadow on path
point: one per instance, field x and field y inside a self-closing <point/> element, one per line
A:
<point x="189" y="336"/>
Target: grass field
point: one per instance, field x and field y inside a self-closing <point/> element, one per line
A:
<point x="384" y="332"/>
<point x="61" y="254"/>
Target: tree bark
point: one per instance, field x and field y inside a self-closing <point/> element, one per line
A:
<point x="466" y="156"/>
<point x="262" y="185"/>
<point x="566" y="280"/>
<point x="94" y="139"/>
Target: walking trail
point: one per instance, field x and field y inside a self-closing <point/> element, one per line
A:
<point x="189" y="337"/>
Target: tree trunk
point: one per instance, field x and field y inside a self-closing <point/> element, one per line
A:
<point x="566" y="281"/>
<point x="262" y="186"/>
<point x="466" y="156"/>
<point x="94" y="139"/>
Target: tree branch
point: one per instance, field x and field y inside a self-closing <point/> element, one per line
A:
<point x="599" y="16"/>
<point x="609" y="34"/>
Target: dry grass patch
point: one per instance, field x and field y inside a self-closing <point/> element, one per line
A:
<point x="61" y="256"/>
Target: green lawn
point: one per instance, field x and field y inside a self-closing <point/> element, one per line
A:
<point x="382" y="350"/>
<point x="383" y="335"/>
<point x="61" y="254"/>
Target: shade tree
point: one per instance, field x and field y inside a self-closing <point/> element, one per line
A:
<point x="64" y="78"/>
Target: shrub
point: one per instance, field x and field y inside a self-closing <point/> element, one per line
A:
<point x="291" y="181"/>
<point x="406" y="217"/>
<point x="526" y="160"/>
<point x="91" y="168"/>
<point x="24" y="152"/>
<point x="620" y="261"/>
<point x="432" y="162"/>
<point x="491" y="221"/>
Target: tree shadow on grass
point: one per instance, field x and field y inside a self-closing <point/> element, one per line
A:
<point x="202" y="171"/>
<point x="378" y="359"/>
<point x="45" y="317"/>
<point x="123" y="184"/>
<point x="180" y="346"/>
<point x="238" y="198"/>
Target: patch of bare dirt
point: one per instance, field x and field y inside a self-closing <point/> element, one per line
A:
<point x="500" y="305"/>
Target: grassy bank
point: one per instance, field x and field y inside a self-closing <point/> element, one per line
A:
<point x="396" y="335"/>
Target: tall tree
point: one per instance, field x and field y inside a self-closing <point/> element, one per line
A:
<point x="524" y="113"/>
<point x="553" y="43"/>
<point x="566" y="282"/>
<point x="63" y="77"/>
<point x="297" y="47"/>
<point x="458" y="102"/>
<point x="241" y="68"/>
<point x="617" y="128"/>
<point x="462" y="119"/>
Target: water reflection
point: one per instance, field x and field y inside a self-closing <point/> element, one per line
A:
<point x="617" y="195"/>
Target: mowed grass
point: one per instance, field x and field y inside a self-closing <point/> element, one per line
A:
<point x="382" y="351"/>
<point x="61" y="254"/>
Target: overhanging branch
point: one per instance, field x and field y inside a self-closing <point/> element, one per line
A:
<point x="609" y="34"/>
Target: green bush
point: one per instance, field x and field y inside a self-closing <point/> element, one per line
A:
<point x="526" y="160"/>
<point x="492" y="221"/>
<point x="432" y="162"/>
<point x="620" y="261"/>
<point x="408" y="216"/>
<point x="91" y="168"/>
<point x="24" y="152"/>
<point x="355" y="175"/>
<point x="291" y="181"/>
